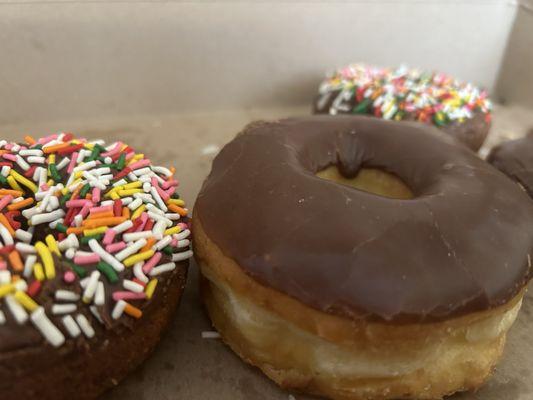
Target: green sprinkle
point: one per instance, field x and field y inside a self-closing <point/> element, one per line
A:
<point x="121" y="163"/>
<point x="80" y="271"/>
<point x="61" y="228"/>
<point x="64" y="199"/>
<point x="84" y="190"/>
<point x="108" y="271"/>
<point x="362" y="107"/>
<point x="3" y="179"/>
<point x="54" y="172"/>
<point x="168" y="250"/>
<point x="85" y="239"/>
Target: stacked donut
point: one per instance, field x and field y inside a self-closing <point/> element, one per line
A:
<point x="93" y="238"/>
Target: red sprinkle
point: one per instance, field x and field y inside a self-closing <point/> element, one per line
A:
<point x="122" y="173"/>
<point x="117" y="208"/>
<point x="70" y="149"/>
<point x="34" y="288"/>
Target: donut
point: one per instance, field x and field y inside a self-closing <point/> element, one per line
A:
<point x="515" y="159"/>
<point x="460" y="109"/>
<point x="358" y="258"/>
<point x="93" y="261"/>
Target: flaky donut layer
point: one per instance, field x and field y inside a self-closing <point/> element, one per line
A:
<point x="308" y="350"/>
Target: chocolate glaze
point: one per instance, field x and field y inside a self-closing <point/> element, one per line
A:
<point x="515" y="159"/>
<point x="460" y="246"/>
<point x="472" y="132"/>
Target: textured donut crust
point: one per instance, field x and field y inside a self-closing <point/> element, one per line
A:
<point x="286" y="334"/>
<point x="85" y="373"/>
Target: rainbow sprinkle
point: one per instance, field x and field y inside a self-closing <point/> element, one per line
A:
<point x="99" y="225"/>
<point x="401" y="94"/>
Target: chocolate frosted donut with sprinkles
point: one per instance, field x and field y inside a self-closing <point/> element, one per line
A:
<point x="402" y="94"/>
<point x="93" y="261"/>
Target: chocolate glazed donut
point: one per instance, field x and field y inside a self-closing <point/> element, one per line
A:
<point x="340" y="292"/>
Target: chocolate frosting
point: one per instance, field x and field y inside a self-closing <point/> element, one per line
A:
<point x="460" y="245"/>
<point x="515" y="159"/>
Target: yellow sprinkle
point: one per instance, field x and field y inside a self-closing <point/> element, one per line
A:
<point x="132" y="185"/>
<point x="52" y="159"/>
<point x="52" y="244"/>
<point x="64" y="191"/>
<point x="128" y="192"/>
<point x="150" y="288"/>
<point x="171" y="231"/>
<point x="50" y="182"/>
<point x="26" y="301"/>
<point x="6" y="289"/>
<point x="114" y="196"/>
<point x="23" y="181"/>
<point x="136" y="158"/>
<point x="137" y="213"/>
<point x="128" y="262"/>
<point x="13" y="183"/>
<point x="78" y="174"/>
<point x="47" y="259"/>
<point x="178" y="202"/>
<point x="95" y="231"/>
<point x="38" y="271"/>
<point x="89" y="145"/>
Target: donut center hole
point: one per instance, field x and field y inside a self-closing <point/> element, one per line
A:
<point x="371" y="180"/>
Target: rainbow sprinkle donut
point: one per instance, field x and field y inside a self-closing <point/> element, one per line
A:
<point x="458" y="108"/>
<point x="93" y="259"/>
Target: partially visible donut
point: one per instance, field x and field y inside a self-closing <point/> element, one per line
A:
<point x="359" y="258"/>
<point x="93" y="261"/>
<point x="515" y="159"/>
<point x="403" y="94"/>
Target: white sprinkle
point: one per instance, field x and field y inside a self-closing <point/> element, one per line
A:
<point x="5" y="277"/>
<point x="22" y="163"/>
<point x="99" y="297"/>
<point x="24" y="236"/>
<point x="94" y="311"/>
<point x="120" y="182"/>
<point x="182" y="235"/>
<point x="66" y="295"/>
<point x="85" y="325"/>
<point x="160" y="269"/>
<point x="142" y="171"/>
<point x="162" y="243"/>
<point x="78" y="219"/>
<point x="182" y="256"/>
<point x="28" y="265"/>
<point x="104" y="255"/>
<point x="6" y="236"/>
<point x="173" y="216"/>
<point x="30" y="152"/>
<point x="135" y="204"/>
<point x="155" y="210"/>
<point x="183" y="243"/>
<point x="124" y="226"/>
<point x="70" y="253"/>
<point x="16" y="309"/>
<point x="147" y="187"/>
<point x="36" y="160"/>
<point x="118" y="309"/>
<point x="210" y="335"/>
<point x="25" y="248"/>
<point x="58" y="309"/>
<point x="158" y="199"/>
<point x="162" y="170"/>
<point x="42" y="176"/>
<point x="5" y="170"/>
<point x="85" y="167"/>
<point x="159" y="229"/>
<point x="21" y="285"/>
<point x="91" y="286"/>
<point x="71" y="326"/>
<point x="71" y="241"/>
<point x="47" y="217"/>
<point x="53" y="224"/>
<point x="159" y="217"/>
<point x="46" y="327"/>
<point x="131" y="249"/>
<point x="132" y="286"/>
<point x="138" y="272"/>
<point x="146" y="198"/>
<point x="130" y="237"/>
<point x="63" y="163"/>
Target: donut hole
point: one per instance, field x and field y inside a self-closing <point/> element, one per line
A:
<point x="371" y="180"/>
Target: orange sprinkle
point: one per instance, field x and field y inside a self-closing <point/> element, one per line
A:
<point x="4" y="221"/>
<point x="172" y="170"/>
<point x="55" y="148"/>
<point x="126" y="212"/>
<point x="28" y="139"/>
<point x="177" y="209"/>
<point x="14" y="193"/>
<point x="76" y="192"/>
<point x="101" y="214"/>
<point x="149" y="243"/>
<point x="133" y="311"/>
<point x="20" y="204"/>
<point x="97" y="222"/>
<point x="16" y="262"/>
<point x="77" y="230"/>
